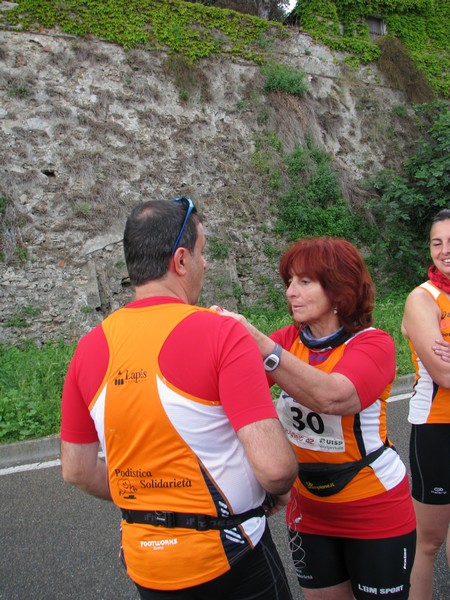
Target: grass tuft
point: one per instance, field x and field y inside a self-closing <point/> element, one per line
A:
<point x="31" y="381"/>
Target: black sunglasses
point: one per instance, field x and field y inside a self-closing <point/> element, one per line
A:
<point x="190" y="207"/>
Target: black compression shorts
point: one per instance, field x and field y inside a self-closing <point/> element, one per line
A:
<point x="376" y="568"/>
<point x="429" y="459"/>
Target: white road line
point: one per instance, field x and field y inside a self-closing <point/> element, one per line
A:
<point x="30" y="467"/>
<point x="400" y="397"/>
<point x="35" y="466"/>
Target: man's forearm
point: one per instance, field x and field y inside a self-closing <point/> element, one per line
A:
<point x="82" y="467"/>
<point x="97" y="484"/>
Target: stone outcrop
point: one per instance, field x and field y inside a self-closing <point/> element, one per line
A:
<point x="88" y="130"/>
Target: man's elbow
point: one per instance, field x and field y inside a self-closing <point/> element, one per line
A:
<point x="72" y="474"/>
<point x="280" y="486"/>
<point x="67" y="475"/>
<point x="281" y="478"/>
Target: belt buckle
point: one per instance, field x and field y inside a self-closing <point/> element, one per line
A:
<point x="165" y="518"/>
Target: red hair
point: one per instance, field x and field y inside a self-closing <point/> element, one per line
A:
<point x="341" y="271"/>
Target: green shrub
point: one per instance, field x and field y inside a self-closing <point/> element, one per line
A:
<point x="3" y="204"/>
<point x="217" y="249"/>
<point x="20" y="91"/>
<point x="305" y="219"/>
<point x="269" y="250"/>
<point x="409" y="199"/>
<point x="313" y="205"/>
<point x="283" y="78"/>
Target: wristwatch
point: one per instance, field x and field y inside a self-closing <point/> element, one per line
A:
<point x="272" y="361"/>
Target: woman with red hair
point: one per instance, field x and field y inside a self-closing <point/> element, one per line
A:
<point x="350" y="517"/>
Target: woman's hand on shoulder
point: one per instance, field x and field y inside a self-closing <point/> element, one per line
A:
<point x="228" y="313"/>
<point x="265" y="344"/>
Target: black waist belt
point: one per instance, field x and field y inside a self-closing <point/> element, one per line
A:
<point x="189" y="521"/>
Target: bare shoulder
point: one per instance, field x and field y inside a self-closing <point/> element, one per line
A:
<point x="420" y="299"/>
<point x="421" y="317"/>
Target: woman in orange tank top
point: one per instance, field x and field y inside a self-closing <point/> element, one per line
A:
<point x="426" y="324"/>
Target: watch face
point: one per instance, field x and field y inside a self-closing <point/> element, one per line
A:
<point x="271" y="362"/>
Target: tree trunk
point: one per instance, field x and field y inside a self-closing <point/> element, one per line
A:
<point x="263" y="9"/>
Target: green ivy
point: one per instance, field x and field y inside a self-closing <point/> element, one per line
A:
<point x="421" y="25"/>
<point x="193" y="30"/>
<point x="321" y="19"/>
<point x="197" y="31"/>
<point x="426" y="37"/>
<point x="384" y="6"/>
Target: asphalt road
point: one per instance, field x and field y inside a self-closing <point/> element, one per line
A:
<point x="60" y="544"/>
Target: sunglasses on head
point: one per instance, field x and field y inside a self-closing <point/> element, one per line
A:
<point x="190" y="207"/>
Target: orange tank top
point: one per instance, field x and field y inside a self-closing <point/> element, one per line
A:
<point x="166" y="450"/>
<point x="430" y="403"/>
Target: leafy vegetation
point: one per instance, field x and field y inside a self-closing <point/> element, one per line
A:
<point x="321" y="19"/>
<point x="307" y="193"/>
<point x="20" y="318"/>
<point x="197" y="30"/>
<point x="313" y="201"/>
<point x="18" y="92"/>
<point x="192" y="30"/>
<point x="409" y="199"/>
<point x="421" y="25"/>
<point x="218" y="249"/>
<point x="274" y="9"/>
<point x="3" y="203"/>
<point x="392" y="226"/>
<point x="31" y="382"/>
<point x="283" y="78"/>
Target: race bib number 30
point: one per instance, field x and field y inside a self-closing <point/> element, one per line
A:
<point x="310" y="430"/>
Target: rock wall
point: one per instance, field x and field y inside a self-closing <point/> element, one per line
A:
<point x="88" y="130"/>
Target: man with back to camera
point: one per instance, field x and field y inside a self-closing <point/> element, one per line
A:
<point x="177" y="397"/>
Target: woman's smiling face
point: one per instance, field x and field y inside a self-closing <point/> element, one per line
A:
<point x="440" y="246"/>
